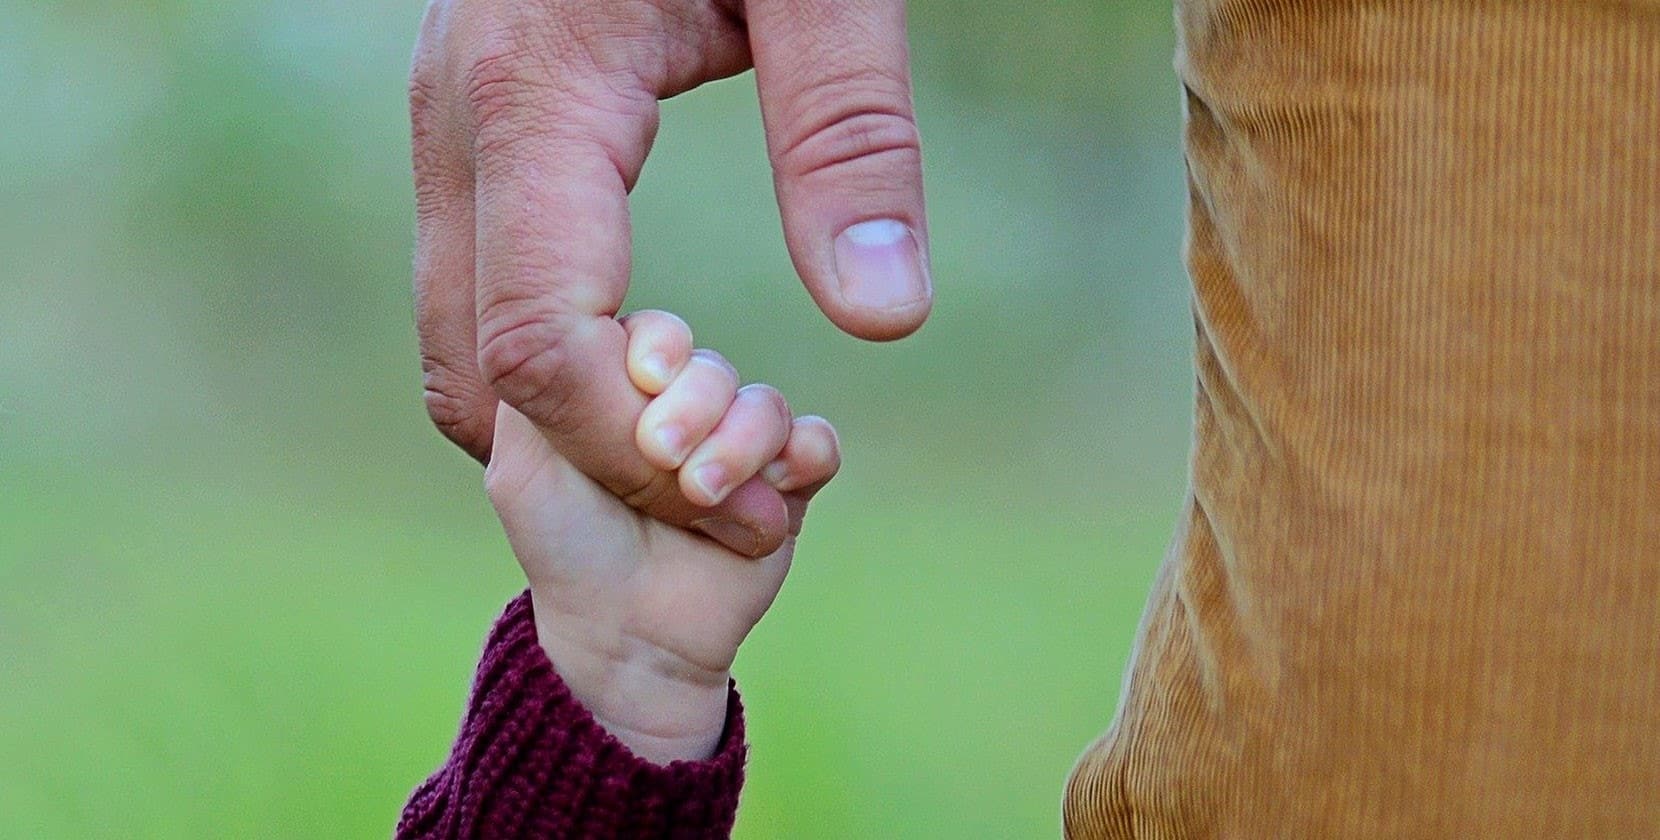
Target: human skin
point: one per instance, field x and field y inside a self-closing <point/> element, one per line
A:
<point x="531" y="122"/>
<point x="642" y="619"/>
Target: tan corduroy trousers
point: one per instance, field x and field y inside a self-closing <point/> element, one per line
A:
<point x="1415" y="591"/>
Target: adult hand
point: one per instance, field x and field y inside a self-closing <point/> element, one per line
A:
<point x="532" y="120"/>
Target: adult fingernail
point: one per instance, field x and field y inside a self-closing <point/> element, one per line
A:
<point x="879" y="265"/>
<point x="711" y="479"/>
<point x="731" y="533"/>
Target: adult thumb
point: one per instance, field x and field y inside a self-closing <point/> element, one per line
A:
<point x="835" y="87"/>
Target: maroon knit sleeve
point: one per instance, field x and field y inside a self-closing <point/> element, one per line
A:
<point x="531" y="762"/>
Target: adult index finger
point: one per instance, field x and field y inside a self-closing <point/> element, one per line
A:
<point x="552" y="173"/>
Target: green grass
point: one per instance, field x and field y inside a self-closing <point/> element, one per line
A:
<point x="203" y="661"/>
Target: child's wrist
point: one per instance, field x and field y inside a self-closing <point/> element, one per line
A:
<point x="660" y="707"/>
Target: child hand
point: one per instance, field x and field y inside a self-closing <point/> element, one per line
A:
<point x="642" y="619"/>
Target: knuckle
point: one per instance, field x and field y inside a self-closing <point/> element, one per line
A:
<point x="718" y="363"/>
<point x="526" y="77"/>
<point x="423" y="95"/>
<point x="446" y="410"/>
<point x="672" y="326"/>
<point x="813" y="421"/>
<point x="675" y="340"/>
<point x="866" y="123"/>
<point x="771" y="398"/>
<point x="821" y="440"/>
<point x="657" y="490"/>
<point x="525" y="361"/>
<point x="532" y="82"/>
<point x="512" y="87"/>
<point x="503" y="87"/>
<point x="459" y="411"/>
<point x="655" y="323"/>
<point x="833" y="447"/>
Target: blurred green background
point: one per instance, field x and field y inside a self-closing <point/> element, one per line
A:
<point x="243" y="583"/>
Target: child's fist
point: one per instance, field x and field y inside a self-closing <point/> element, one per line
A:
<point x="643" y="619"/>
<point x="716" y="434"/>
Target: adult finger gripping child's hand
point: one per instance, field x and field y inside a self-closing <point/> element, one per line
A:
<point x="643" y="619"/>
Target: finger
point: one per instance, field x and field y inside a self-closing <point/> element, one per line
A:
<point x="795" y="501"/>
<point x="689" y="409"/>
<point x="457" y="399"/>
<point x="659" y="345"/>
<point x="552" y="173"/>
<point x="835" y="90"/>
<point x="750" y="435"/>
<point x="810" y="457"/>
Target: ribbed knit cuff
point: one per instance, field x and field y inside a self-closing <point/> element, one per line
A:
<point x="531" y="762"/>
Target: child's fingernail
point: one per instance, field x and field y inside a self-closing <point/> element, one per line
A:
<point x="879" y="265"/>
<point x="656" y="367"/>
<point x="775" y="473"/>
<point x="670" y="440"/>
<point x="711" y="479"/>
<point x="733" y="534"/>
